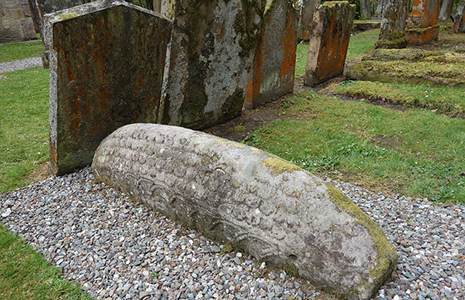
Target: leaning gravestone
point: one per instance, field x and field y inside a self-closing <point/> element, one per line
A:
<point x="307" y="9"/>
<point x="392" y="34"/>
<point x="422" y="25"/>
<point x="254" y="201"/>
<point x="106" y="70"/>
<point x="274" y="60"/>
<point x="459" y="21"/>
<point x="332" y="25"/>
<point x="211" y="60"/>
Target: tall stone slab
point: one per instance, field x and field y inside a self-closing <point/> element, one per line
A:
<point x="106" y="70"/>
<point x="392" y="33"/>
<point x="422" y="24"/>
<point x="165" y="7"/>
<point x="306" y="10"/>
<point x="16" y="23"/>
<point x="274" y="60"/>
<point x="211" y="59"/>
<point x="332" y="25"/>
<point x="459" y="21"/>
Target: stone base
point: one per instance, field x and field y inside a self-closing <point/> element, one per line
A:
<point x="363" y="25"/>
<point x="419" y="36"/>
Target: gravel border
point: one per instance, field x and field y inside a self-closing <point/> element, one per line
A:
<point x="117" y="249"/>
<point x="20" y="64"/>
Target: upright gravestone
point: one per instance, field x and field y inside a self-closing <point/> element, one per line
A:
<point x="459" y="21"/>
<point x="422" y="25"/>
<point x="106" y="70"/>
<point x="274" y="60"/>
<point x="392" y="34"/>
<point x="165" y="7"/>
<point x="332" y="25"/>
<point x="307" y="8"/>
<point x="211" y="60"/>
<point x="16" y="22"/>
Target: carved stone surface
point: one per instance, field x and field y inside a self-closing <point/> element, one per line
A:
<point x="255" y="201"/>
<point x="274" y="60"/>
<point x="392" y="34"/>
<point x="106" y="70"/>
<point x="422" y="24"/>
<point x="332" y="26"/>
<point x="16" y="22"/>
<point x="211" y="60"/>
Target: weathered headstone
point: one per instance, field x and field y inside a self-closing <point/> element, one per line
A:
<point x="106" y="70"/>
<point x="380" y="7"/>
<point x="16" y="22"/>
<point x="332" y="25"/>
<point x="306" y="10"/>
<point x="422" y="24"/>
<point x="165" y="7"/>
<point x="211" y="59"/>
<point x="459" y="21"/>
<point x="274" y="60"/>
<point x="254" y="201"/>
<point x="392" y="34"/>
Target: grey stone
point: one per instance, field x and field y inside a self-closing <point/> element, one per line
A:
<point x="332" y="26"/>
<point x="211" y="59"/>
<point x="106" y="70"/>
<point x="275" y="54"/>
<point x="257" y="202"/>
<point x="306" y="11"/>
<point x="16" y="23"/>
<point x="392" y="34"/>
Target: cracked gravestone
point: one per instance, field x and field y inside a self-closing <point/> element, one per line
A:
<point x="422" y="24"/>
<point x="274" y="60"/>
<point x="252" y="200"/>
<point x="106" y="70"/>
<point x="332" y="25"/>
<point x="392" y="33"/>
<point x="212" y="49"/>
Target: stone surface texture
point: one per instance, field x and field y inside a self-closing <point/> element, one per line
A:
<point x="211" y="59"/>
<point x="274" y="60"/>
<point x="459" y="21"/>
<point x="306" y="10"/>
<point x="392" y="34"/>
<point x="251" y="200"/>
<point x="332" y="25"/>
<point x="16" y="22"/>
<point x="165" y="7"/>
<point x="422" y="24"/>
<point x="106" y="70"/>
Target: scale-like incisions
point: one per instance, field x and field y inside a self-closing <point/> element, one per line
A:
<point x="252" y="200"/>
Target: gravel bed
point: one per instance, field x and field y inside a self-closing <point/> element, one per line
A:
<point x="117" y="249"/>
<point x="20" y="64"/>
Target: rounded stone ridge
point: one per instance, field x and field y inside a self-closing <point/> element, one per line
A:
<point x="251" y="200"/>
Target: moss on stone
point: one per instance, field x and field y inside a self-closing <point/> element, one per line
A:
<point x="227" y="248"/>
<point x="279" y="166"/>
<point x="68" y="16"/>
<point x="387" y="255"/>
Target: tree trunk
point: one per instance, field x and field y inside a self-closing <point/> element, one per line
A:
<point x="365" y="9"/>
<point x="446" y="10"/>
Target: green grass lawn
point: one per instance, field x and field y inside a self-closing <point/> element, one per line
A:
<point x="412" y="152"/>
<point x="23" y="125"/>
<point x="10" y="52"/>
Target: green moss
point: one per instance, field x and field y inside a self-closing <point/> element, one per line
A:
<point x="387" y="255"/>
<point x="67" y="16"/>
<point x="279" y="166"/>
<point x="227" y="248"/>
<point x="240" y="128"/>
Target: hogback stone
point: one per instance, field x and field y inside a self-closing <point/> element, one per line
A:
<point x="106" y="70"/>
<point x="252" y="200"/>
